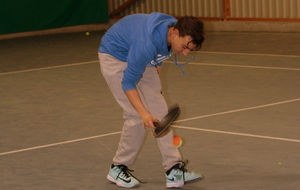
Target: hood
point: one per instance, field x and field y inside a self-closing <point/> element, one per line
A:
<point x="157" y="26"/>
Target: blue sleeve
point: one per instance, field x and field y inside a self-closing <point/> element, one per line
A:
<point x="139" y="56"/>
<point x="159" y="64"/>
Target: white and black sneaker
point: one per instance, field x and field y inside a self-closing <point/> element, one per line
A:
<point x="177" y="176"/>
<point x="120" y="175"/>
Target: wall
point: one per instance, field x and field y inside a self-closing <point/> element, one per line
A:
<point x="226" y="15"/>
<point x="31" y="15"/>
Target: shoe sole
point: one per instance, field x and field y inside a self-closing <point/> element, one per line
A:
<point x="195" y="180"/>
<point x="177" y="184"/>
<point x="180" y="184"/>
<point x="119" y="183"/>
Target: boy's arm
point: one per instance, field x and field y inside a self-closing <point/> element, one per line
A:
<point x="158" y="69"/>
<point x="148" y="119"/>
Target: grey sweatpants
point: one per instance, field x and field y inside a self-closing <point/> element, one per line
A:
<point x="133" y="132"/>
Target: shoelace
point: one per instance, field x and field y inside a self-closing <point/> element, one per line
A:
<point x="127" y="172"/>
<point x="182" y="168"/>
<point x="180" y="65"/>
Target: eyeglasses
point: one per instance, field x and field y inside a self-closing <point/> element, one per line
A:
<point x="180" y="65"/>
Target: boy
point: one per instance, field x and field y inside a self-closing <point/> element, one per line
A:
<point x="130" y="56"/>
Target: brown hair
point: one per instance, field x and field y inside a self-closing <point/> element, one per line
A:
<point x="191" y="26"/>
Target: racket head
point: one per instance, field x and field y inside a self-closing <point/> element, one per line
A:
<point x="163" y="127"/>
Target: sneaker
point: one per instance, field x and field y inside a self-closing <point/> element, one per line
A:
<point x="177" y="176"/>
<point x="121" y="176"/>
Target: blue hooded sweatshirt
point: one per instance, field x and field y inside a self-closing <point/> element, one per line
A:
<point x="141" y="41"/>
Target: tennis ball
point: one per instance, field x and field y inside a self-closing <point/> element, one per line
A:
<point x="177" y="141"/>
<point x="87" y="33"/>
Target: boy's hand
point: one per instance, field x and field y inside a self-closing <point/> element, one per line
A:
<point x="148" y="121"/>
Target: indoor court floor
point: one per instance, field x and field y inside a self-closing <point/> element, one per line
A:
<point x="240" y="119"/>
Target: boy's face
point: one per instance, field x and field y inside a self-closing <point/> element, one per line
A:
<point x="181" y="45"/>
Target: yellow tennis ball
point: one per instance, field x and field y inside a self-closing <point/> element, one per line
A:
<point x="87" y="33"/>
<point x="177" y="141"/>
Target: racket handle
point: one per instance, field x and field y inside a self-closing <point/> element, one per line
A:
<point x="155" y="124"/>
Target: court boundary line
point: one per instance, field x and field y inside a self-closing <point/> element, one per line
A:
<point x="236" y="133"/>
<point x="239" y="66"/>
<point x="193" y="118"/>
<point x="168" y="61"/>
<point x="245" y="66"/>
<point x="59" y="143"/>
<point x="259" y="54"/>
<point x="239" y="110"/>
<point x="88" y="62"/>
<point x="51" y="67"/>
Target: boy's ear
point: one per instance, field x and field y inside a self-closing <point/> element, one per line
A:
<point x="175" y="32"/>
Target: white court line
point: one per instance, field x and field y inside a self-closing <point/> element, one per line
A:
<point x="240" y="66"/>
<point x="239" y="134"/>
<point x="45" y="68"/>
<point x="98" y="136"/>
<point x="82" y="63"/>
<point x="239" y="110"/>
<point x="245" y="66"/>
<point x="227" y="53"/>
<point x="59" y="143"/>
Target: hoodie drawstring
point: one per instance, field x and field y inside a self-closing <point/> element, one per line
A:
<point x="180" y="65"/>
